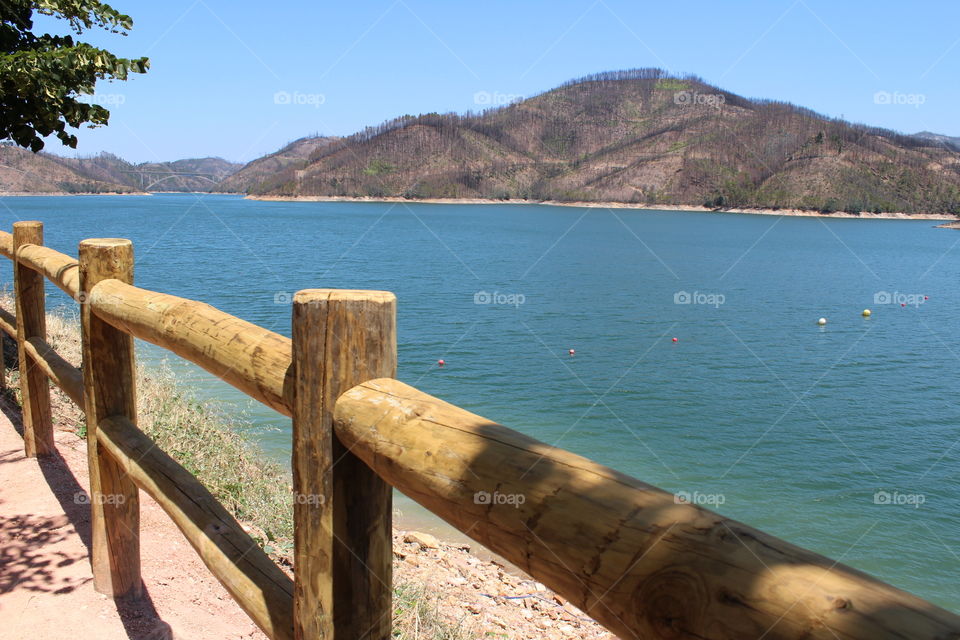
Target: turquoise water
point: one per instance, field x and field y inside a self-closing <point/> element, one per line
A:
<point x="794" y="428"/>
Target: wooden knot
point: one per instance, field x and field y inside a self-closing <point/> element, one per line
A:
<point x="672" y="604"/>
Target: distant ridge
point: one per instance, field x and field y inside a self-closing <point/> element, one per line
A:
<point x="947" y="141"/>
<point x="638" y="136"/>
<point x="22" y="171"/>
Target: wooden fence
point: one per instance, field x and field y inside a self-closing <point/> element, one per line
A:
<point x="621" y="550"/>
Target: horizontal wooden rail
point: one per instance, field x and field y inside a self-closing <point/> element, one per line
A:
<point x="251" y="577"/>
<point x="62" y="373"/>
<point x="252" y="359"/>
<point x="58" y="268"/>
<point x="8" y="323"/>
<point x="621" y="550"/>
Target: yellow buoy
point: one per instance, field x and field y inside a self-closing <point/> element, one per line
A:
<point x="866" y="313"/>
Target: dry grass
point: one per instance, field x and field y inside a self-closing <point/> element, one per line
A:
<point x="416" y="616"/>
<point x="209" y="444"/>
<point x="197" y="435"/>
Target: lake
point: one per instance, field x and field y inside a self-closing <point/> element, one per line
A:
<point x="843" y="438"/>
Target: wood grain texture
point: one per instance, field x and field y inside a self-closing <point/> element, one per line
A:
<point x="342" y="515"/>
<point x="60" y="269"/>
<point x="66" y="376"/>
<point x="32" y="322"/>
<point x="252" y="359"/>
<point x="251" y="577"/>
<point x="621" y="550"/>
<point x="109" y="381"/>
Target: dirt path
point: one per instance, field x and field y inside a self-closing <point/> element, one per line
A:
<point x="46" y="589"/>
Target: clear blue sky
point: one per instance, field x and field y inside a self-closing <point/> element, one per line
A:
<point x="222" y="70"/>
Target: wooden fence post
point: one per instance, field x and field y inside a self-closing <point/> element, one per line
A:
<point x="32" y="322"/>
<point x="342" y="509"/>
<point x="108" y="385"/>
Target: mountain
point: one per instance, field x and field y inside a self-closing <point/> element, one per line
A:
<point x="195" y="174"/>
<point x="293" y="156"/>
<point x="639" y="136"/>
<point x="22" y="171"/>
<point x="947" y="141"/>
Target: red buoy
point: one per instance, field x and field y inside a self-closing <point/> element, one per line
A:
<point x="440" y="363"/>
<point x="675" y="340"/>
<point x="572" y="352"/>
<point x="903" y="304"/>
<point x="926" y="297"/>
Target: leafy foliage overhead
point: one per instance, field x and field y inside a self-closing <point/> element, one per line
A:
<point x="43" y="76"/>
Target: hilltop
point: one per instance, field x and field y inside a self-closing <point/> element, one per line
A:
<point x="292" y="157"/>
<point x="637" y="136"/>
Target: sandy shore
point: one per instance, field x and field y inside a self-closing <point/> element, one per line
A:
<point x="865" y="215"/>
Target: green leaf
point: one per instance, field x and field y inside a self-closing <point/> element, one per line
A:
<point x="41" y="75"/>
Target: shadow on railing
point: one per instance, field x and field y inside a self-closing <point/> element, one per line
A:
<point x="621" y="550"/>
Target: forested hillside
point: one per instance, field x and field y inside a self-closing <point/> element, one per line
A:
<point x="636" y="136"/>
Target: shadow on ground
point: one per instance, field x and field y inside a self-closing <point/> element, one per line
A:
<point x="22" y="563"/>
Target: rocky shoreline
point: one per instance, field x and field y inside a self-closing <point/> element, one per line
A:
<point x="486" y="598"/>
